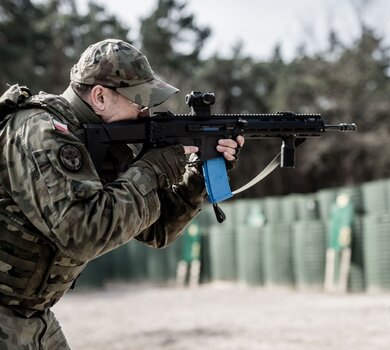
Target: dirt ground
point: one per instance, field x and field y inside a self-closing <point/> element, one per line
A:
<point x="222" y="317"/>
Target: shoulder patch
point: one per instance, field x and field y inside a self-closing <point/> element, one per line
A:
<point x="71" y="157"/>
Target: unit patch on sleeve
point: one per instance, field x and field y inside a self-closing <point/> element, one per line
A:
<point x="71" y="157"/>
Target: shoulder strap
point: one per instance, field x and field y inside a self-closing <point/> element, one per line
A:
<point x="12" y="99"/>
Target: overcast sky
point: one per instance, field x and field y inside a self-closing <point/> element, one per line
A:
<point x="261" y="24"/>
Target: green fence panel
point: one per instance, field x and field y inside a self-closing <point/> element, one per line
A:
<point x="249" y="212"/>
<point x="206" y="217"/>
<point x="223" y="253"/>
<point x="356" y="276"/>
<point x="137" y="260"/>
<point x="289" y="208"/>
<point x="273" y="209"/>
<point x="205" y="258"/>
<point x="325" y="199"/>
<point x="118" y="264"/>
<point x="162" y="263"/>
<point x="307" y="207"/>
<point x="376" y="196"/>
<point x="278" y="268"/>
<point x="309" y="249"/>
<point x="95" y="275"/>
<point x="376" y="252"/>
<point x="250" y="259"/>
<point x="229" y="250"/>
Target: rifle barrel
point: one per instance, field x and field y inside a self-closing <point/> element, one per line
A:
<point x="343" y="127"/>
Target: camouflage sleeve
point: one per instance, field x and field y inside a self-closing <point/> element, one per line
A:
<point x="178" y="208"/>
<point x="56" y="186"/>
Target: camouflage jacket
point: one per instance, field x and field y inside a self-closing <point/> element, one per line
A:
<point x="57" y="212"/>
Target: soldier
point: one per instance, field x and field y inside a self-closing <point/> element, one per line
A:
<point x="57" y="213"/>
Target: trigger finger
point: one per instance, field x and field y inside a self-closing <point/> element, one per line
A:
<point x="240" y="140"/>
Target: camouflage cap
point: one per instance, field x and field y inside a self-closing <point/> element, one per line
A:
<point x="117" y="64"/>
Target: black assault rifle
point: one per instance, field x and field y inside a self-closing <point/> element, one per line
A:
<point x="202" y="129"/>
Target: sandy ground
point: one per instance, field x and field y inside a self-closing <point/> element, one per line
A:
<point x="222" y="317"/>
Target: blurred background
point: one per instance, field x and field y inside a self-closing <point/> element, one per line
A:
<point x="329" y="57"/>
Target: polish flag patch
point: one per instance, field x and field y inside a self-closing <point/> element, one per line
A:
<point x="61" y="127"/>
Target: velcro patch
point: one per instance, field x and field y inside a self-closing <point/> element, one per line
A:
<point x="61" y="127"/>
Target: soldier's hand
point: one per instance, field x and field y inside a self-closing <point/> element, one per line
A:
<point x="230" y="148"/>
<point x="168" y="163"/>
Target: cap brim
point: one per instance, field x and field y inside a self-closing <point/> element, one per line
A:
<point x="150" y="93"/>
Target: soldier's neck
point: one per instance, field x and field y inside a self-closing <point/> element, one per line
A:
<point x="81" y="110"/>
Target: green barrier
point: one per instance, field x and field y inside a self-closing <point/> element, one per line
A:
<point x="388" y="193"/>
<point x="222" y="253"/>
<point x="309" y="247"/>
<point x="206" y="217"/>
<point x="273" y="209"/>
<point x="118" y="264"/>
<point x="376" y="196"/>
<point x="307" y="207"/>
<point x="376" y="242"/>
<point x="325" y="200"/>
<point x="222" y="259"/>
<point x="248" y="212"/>
<point x="278" y="269"/>
<point x="162" y="263"/>
<point x="94" y="275"/>
<point x="204" y="220"/>
<point x="356" y="276"/>
<point x="137" y="260"/>
<point x="205" y="258"/>
<point x="289" y="208"/>
<point x="250" y="259"/>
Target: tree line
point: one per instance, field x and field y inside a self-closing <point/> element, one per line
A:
<point x="40" y="41"/>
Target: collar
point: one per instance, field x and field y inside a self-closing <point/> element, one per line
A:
<point x="81" y="110"/>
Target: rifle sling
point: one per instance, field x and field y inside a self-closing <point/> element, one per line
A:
<point x="265" y="172"/>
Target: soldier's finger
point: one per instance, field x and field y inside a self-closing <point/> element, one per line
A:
<point x="190" y="149"/>
<point x="228" y="143"/>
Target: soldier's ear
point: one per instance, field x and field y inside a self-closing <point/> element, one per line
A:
<point x="98" y="98"/>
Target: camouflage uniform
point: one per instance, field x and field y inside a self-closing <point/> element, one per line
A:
<point x="41" y="331"/>
<point x="56" y="214"/>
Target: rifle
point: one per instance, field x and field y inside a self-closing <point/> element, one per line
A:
<point x="203" y="129"/>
